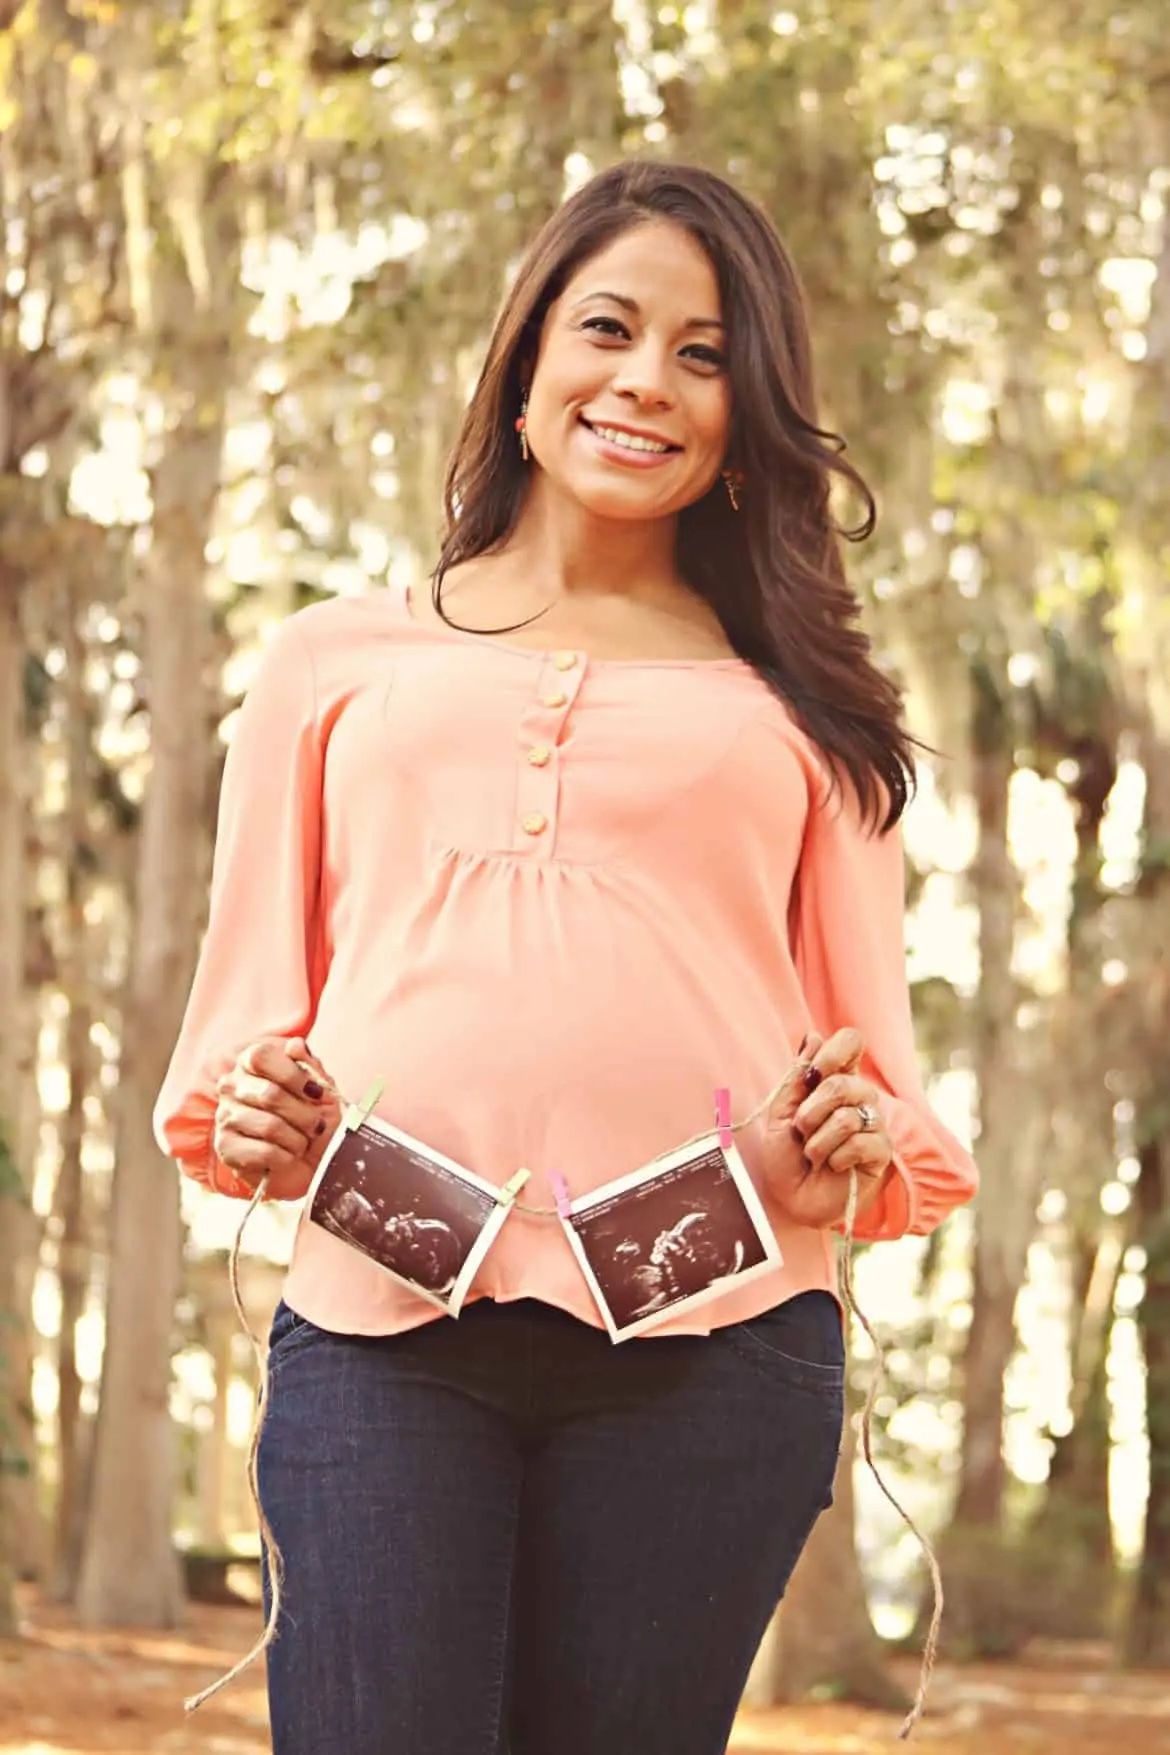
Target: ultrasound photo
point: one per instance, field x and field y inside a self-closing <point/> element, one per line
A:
<point x="423" y="1218"/>
<point x="675" y="1234"/>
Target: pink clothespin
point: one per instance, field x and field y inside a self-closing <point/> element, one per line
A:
<point x="561" y="1194"/>
<point x="723" y="1115"/>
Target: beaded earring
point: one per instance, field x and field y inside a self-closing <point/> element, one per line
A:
<point x="733" y="481"/>
<point x="522" y="425"/>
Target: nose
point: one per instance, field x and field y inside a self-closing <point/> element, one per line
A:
<point x="644" y="375"/>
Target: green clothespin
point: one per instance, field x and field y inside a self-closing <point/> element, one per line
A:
<point x="356" y="1113"/>
<point x="512" y="1187"/>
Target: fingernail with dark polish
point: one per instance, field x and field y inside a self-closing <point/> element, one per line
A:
<point x="320" y="1127"/>
<point x="812" y="1077"/>
<point x="313" y="1089"/>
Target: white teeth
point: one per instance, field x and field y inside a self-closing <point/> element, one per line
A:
<point x="630" y="440"/>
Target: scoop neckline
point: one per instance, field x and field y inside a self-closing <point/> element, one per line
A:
<point x="545" y="653"/>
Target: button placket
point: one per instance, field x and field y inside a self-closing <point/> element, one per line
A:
<point x="538" y="776"/>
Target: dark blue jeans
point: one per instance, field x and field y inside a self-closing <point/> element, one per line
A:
<point x="504" y="1535"/>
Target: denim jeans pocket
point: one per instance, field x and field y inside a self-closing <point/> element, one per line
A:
<point x="288" y="1334"/>
<point x="801" y="1340"/>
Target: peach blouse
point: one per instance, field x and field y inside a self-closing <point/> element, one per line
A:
<point x="552" y="902"/>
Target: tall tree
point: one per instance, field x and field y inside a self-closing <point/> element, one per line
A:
<point x="182" y="256"/>
<point x="826" y="1642"/>
<point x="44" y="238"/>
<point x="1147" y="1633"/>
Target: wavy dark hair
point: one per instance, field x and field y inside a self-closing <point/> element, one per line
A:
<point x="773" y="572"/>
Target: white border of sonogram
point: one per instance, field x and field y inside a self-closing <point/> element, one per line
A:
<point x="621" y="1184"/>
<point x="491" y="1229"/>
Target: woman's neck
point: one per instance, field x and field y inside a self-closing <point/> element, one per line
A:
<point x="575" y="556"/>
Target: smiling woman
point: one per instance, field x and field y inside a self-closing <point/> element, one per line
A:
<point x="547" y="899"/>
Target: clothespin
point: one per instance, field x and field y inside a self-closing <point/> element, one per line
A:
<point x="723" y="1115"/>
<point x="512" y="1187"/>
<point x="356" y="1113"/>
<point x="561" y="1194"/>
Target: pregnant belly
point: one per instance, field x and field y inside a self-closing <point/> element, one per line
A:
<point x="551" y="1062"/>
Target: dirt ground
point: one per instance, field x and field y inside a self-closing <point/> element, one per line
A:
<point x="64" y="1692"/>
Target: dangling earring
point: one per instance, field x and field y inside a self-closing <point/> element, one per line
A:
<point x="522" y="425"/>
<point x="732" y="480"/>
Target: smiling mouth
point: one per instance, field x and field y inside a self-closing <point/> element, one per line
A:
<point x="629" y="441"/>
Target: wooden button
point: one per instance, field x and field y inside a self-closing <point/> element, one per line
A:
<point x="555" y="699"/>
<point x="565" y="660"/>
<point x="534" y="823"/>
<point x="539" y="754"/>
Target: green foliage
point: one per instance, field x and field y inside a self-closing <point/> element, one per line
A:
<point x="1155" y="858"/>
<point x="942" y="1018"/>
<point x="1001" y="1588"/>
<point x="991" y="716"/>
<point x="11" y="1181"/>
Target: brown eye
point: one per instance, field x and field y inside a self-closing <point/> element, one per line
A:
<point x="708" y="355"/>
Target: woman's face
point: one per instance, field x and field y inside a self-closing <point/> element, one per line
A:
<point x="634" y="349"/>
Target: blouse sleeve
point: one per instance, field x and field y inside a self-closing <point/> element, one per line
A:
<point x="255" y="974"/>
<point x="849" y="945"/>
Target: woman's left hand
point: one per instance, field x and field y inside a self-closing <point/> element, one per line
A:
<point x="832" y="1139"/>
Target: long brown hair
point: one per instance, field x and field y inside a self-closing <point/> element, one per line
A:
<point x="773" y="572"/>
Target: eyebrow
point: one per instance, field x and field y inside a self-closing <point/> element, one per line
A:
<point x="635" y="309"/>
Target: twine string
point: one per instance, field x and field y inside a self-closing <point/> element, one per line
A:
<point x="876" y="1379"/>
<point x="275" y="1560"/>
<point x="272" y="1554"/>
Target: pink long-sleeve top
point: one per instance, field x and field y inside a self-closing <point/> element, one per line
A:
<point x="552" y="902"/>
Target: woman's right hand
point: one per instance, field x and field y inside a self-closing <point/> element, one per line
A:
<point x="813" y="1194"/>
<point x="273" y="1118"/>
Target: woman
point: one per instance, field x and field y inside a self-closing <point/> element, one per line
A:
<point x="611" y="821"/>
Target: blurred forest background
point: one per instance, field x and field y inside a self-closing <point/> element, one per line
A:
<point x="251" y="250"/>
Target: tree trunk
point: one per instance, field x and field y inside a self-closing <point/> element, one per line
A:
<point x="72" y="1243"/>
<point x="1003" y="1218"/>
<point x="1147" y="1634"/>
<point x="1076" y="1500"/>
<point x="21" y="1526"/>
<point x="990" y="1343"/>
<point x="185" y="297"/>
<point x="73" y="1281"/>
<point x="826" y="1640"/>
<point x="1074" y="1519"/>
<point x="1069" y="1542"/>
<point x="14" y="1213"/>
<point x="1146" y="1638"/>
<point x="1010" y="1162"/>
<point x="129" y="1571"/>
